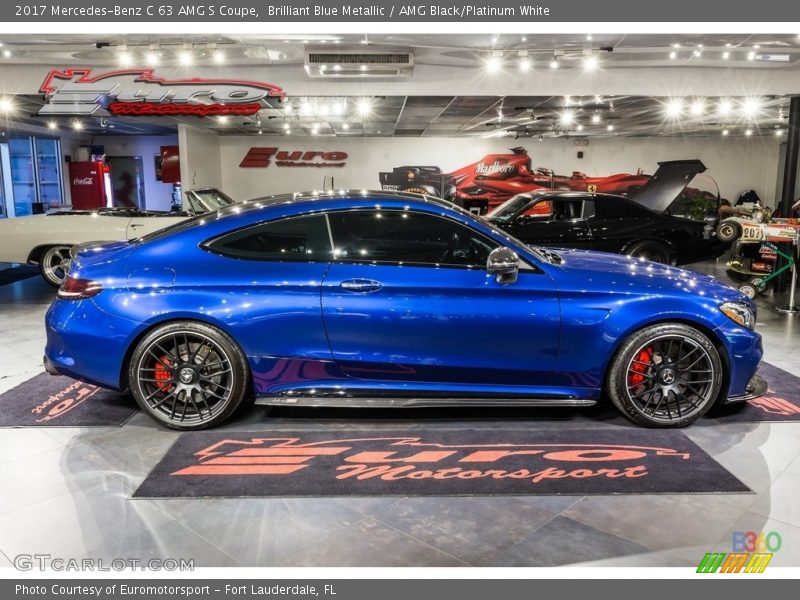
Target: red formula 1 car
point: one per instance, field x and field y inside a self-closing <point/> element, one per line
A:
<point x="486" y="184"/>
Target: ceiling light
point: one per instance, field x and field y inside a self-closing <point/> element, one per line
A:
<point x="596" y="118"/>
<point x="697" y="53"/>
<point x="673" y="55"/>
<point x="567" y="117"/>
<point x="323" y="68"/>
<point x="52" y="125"/>
<point x="726" y="55"/>
<point x="698" y="108"/>
<point x="364" y="108"/>
<point x="288" y="109"/>
<point x="222" y="119"/>
<point x="725" y="107"/>
<point x="525" y="38"/>
<point x="286" y="126"/>
<point x="6" y="105"/>
<point x="554" y="63"/>
<point x="124" y="59"/>
<point x="77" y="125"/>
<point x="337" y="67"/>
<point x="152" y="58"/>
<point x="590" y="62"/>
<point x="579" y="127"/>
<point x="674" y="107"/>
<point x="314" y="130"/>
<point x="756" y="46"/>
<point x="748" y="132"/>
<point x="323" y="110"/>
<point x="524" y="64"/>
<point x="589" y="37"/>
<point x="260" y="131"/>
<point x="345" y="126"/>
<point x="725" y="132"/>
<point x="751" y="107"/>
<point x="6" y="53"/>
<point x="609" y="127"/>
<point x="219" y="56"/>
<point x="779" y="132"/>
<point x="493" y="64"/>
<point x="185" y="58"/>
<point x="288" y="132"/>
<point x="751" y="55"/>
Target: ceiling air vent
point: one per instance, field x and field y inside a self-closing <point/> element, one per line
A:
<point x="358" y="62"/>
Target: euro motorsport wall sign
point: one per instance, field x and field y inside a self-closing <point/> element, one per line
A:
<point x="372" y="11"/>
<point x="136" y="92"/>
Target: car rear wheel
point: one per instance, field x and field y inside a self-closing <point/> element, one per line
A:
<point x="54" y="264"/>
<point x="728" y="231"/>
<point x="666" y="375"/>
<point x="188" y="375"/>
<point x="650" y="250"/>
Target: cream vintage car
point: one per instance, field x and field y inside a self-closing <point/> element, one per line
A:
<point x="46" y="239"/>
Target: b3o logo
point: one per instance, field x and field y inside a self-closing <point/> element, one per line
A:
<point x="756" y="541"/>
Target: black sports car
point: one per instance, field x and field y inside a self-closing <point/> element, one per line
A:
<point x="610" y="223"/>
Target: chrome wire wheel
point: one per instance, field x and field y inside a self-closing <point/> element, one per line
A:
<point x="185" y="379"/>
<point x="671" y="378"/>
<point x="55" y="264"/>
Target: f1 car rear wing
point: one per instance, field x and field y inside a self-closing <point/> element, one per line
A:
<point x="668" y="183"/>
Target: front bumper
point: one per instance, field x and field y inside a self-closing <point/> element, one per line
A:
<point x="756" y="388"/>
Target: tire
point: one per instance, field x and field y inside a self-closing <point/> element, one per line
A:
<point x="728" y="231"/>
<point x="188" y="375"/>
<point x="54" y="264"/>
<point x="753" y="288"/>
<point x="666" y="375"/>
<point x="650" y="250"/>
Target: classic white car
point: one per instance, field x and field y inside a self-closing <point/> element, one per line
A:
<point x="46" y="239"/>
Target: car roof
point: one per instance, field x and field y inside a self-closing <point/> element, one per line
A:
<point x="332" y="197"/>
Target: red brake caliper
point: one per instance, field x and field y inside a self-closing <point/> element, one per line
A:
<point x="163" y="375"/>
<point x="639" y="367"/>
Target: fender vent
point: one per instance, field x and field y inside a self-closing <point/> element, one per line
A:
<point x="357" y="62"/>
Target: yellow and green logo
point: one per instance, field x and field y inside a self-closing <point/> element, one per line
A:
<point x="734" y="562"/>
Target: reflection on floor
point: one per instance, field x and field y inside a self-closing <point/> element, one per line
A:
<point x="68" y="491"/>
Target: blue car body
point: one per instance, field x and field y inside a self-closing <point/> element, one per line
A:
<point x="456" y="331"/>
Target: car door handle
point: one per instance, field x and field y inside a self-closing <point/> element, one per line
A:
<point x="361" y="285"/>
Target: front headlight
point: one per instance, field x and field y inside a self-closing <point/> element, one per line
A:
<point x="741" y="314"/>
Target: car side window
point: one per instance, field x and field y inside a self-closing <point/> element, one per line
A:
<point x="405" y="237"/>
<point x="588" y="209"/>
<point x="293" y="239"/>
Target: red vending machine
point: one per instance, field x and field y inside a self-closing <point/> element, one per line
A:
<point x="90" y="185"/>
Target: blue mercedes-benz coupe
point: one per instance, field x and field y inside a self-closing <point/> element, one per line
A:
<point x="383" y="299"/>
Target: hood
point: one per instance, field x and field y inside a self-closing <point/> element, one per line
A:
<point x="664" y="187"/>
<point x="620" y="273"/>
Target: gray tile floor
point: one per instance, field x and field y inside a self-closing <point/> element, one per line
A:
<point x="67" y="491"/>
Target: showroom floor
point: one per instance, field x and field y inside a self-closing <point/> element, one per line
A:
<point x="67" y="491"/>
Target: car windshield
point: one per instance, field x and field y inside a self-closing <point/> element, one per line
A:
<point x="209" y="200"/>
<point x="510" y="209"/>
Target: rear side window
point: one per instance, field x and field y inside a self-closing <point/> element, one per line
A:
<point x="293" y="239"/>
<point x="405" y="237"/>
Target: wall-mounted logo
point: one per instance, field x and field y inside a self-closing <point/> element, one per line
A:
<point x="82" y="181"/>
<point x="134" y="92"/>
<point x="260" y="157"/>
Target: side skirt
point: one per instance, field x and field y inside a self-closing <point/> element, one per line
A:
<point x="412" y="402"/>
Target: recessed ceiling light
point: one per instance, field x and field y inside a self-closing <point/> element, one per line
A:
<point x="6" y="105"/>
<point x="185" y="58"/>
<point x="493" y="64"/>
<point x="364" y="108"/>
<point x="579" y="127"/>
<point x="125" y="58"/>
<point x="52" y="125"/>
<point x="596" y="118"/>
<point x="698" y="107"/>
<point x="77" y="125"/>
<point x="6" y="53"/>
<point x="219" y="56"/>
<point x="751" y="55"/>
<point x="725" y="107"/>
<point x="674" y="107"/>
<point x="751" y="107"/>
<point x="673" y="55"/>
<point x="610" y="127"/>
<point x="152" y="58"/>
<point x="554" y="63"/>
<point x="748" y="132"/>
<point x="524" y="64"/>
<point x="726" y="55"/>
<point x="222" y="119"/>
<point x="345" y="126"/>
<point x="725" y="132"/>
<point x="567" y="117"/>
<point x="590" y="62"/>
<point x="779" y="132"/>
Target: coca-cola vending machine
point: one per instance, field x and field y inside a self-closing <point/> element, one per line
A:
<point x="90" y="185"/>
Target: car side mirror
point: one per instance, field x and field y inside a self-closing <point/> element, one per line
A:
<point x="504" y="263"/>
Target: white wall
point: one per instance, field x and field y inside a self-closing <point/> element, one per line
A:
<point x="157" y="195"/>
<point x="201" y="162"/>
<point x="735" y="163"/>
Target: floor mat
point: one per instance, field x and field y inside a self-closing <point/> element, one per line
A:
<point x="48" y="401"/>
<point x="437" y="462"/>
<point x="780" y="403"/>
<point x="18" y="274"/>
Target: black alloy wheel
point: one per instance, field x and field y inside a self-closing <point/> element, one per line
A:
<point x="188" y="375"/>
<point x="667" y="375"/>
<point x="650" y="250"/>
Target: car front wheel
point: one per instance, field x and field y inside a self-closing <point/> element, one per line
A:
<point x="188" y="375"/>
<point x="54" y="264"/>
<point x="666" y="375"/>
<point x="650" y="250"/>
